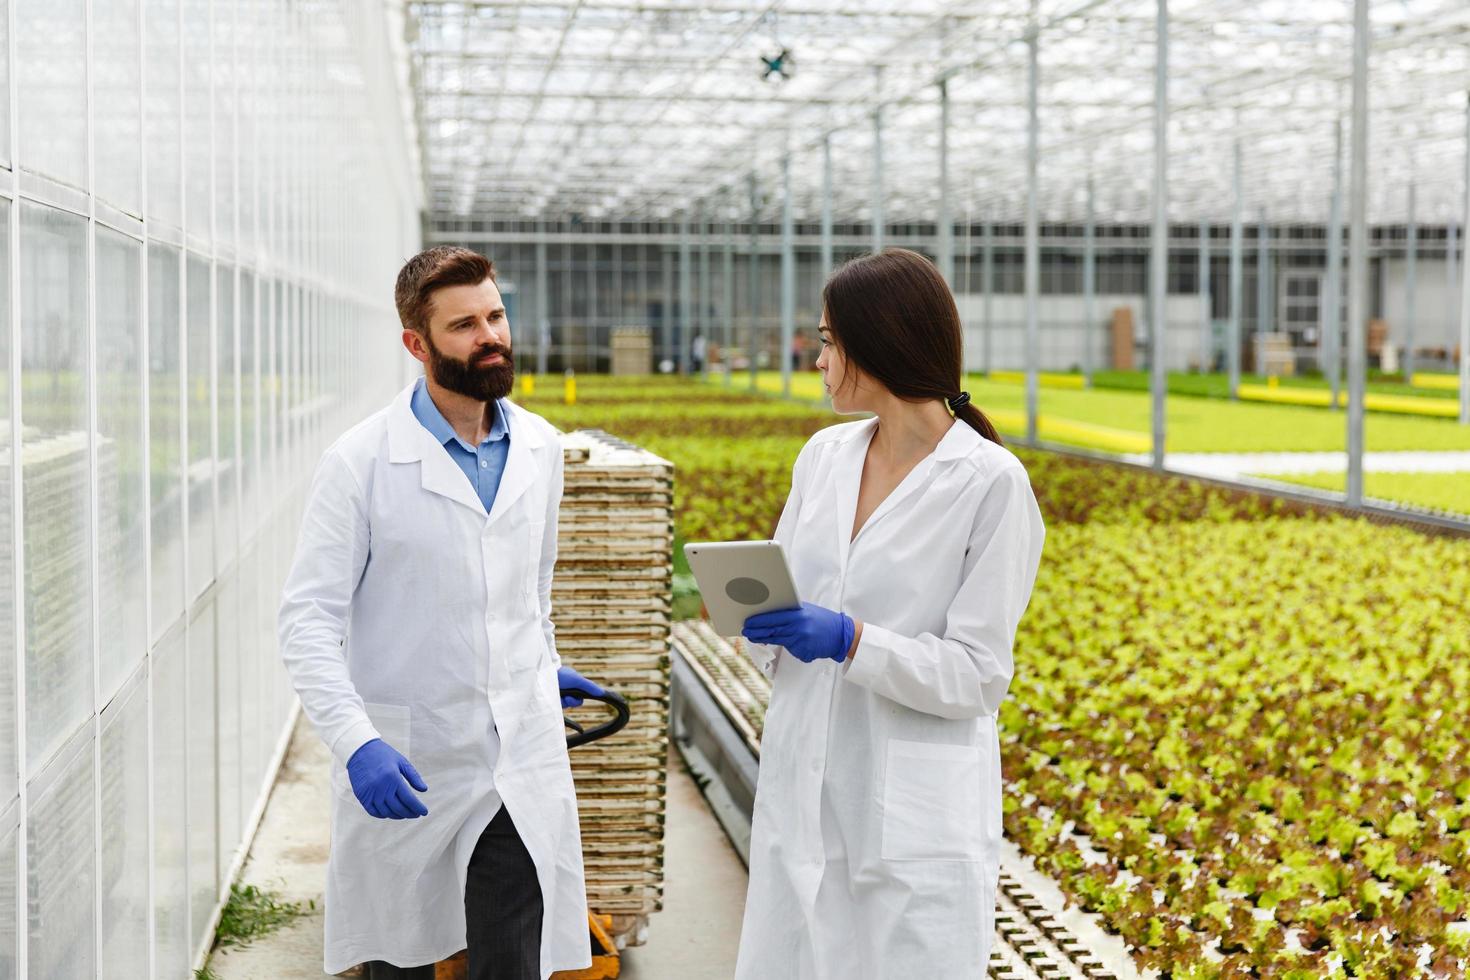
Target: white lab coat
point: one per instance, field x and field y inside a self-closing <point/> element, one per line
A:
<point x="875" y="848"/>
<point x="411" y="615"/>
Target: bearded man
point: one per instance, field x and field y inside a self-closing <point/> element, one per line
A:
<point x="416" y="626"/>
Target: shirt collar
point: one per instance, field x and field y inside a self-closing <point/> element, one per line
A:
<point x="428" y="413"/>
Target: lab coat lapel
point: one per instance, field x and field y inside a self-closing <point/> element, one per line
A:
<point x="849" y="478"/>
<point x="409" y="441"/>
<point x="520" y="464"/>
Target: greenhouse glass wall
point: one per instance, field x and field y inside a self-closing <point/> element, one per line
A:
<point x="191" y="285"/>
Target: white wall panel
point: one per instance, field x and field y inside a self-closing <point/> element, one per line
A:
<point x="175" y="385"/>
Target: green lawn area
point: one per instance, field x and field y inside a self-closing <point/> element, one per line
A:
<point x="1194" y="424"/>
<point x="1437" y="491"/>
<point x="1218" y="385"/>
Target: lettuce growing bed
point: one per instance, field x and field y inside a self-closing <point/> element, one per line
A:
<point x="1237" y="728"/>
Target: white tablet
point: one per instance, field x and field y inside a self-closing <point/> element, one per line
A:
<point x="738" y="579"/>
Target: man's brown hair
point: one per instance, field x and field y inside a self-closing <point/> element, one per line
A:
<point x="434" y="268"/>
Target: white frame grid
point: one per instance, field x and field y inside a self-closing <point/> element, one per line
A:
<point x="333" y="210"/>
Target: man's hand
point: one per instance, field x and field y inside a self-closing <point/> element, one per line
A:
<point x="381" y="781"/>
<point x="568" y="679"/>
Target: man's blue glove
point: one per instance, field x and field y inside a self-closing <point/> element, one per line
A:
<point x="381" y="778"/>
<point x="809" y="633"/>
<point x="568" y="679"/>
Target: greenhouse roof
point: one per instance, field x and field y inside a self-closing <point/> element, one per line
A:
<point x="640" y="109"/>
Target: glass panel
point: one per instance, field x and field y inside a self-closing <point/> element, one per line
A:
<point x="8" y="840"/>
<point x="60" y="869"/>
<point x="203" y="798"/>
<point x="196" y="115"/>
<point x="170" y="808"/>
<point x="121" y="472"/>
<point x="227" y="465"/>
<point x="55" y="471"/>
<point x="200" y="425"/>
<point x="8" y="760"/>
<point x="165" y="380"/>
<point x="224" y="120"/>
<point x="51" y="79"/>
<point x="252" y="755"/>
<point x="227" y="698"/>
<point x="254" y="69"/>
<point x="5" y="83"/>
<point x="249" y="410"/>
<point x="124" y="871"/>
<point x="117" y="111"/>
<point x="165" y="191"/>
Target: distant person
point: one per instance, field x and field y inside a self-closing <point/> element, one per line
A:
<point x="416" y="627"/>
<point x="915" y="539"/>
<point x="697" y="350"/>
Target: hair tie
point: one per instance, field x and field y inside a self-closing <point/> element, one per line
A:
<point x="956" y="403"/>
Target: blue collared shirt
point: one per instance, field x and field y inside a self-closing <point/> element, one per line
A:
<point x="483" y="464"/>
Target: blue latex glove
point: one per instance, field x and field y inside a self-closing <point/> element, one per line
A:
<point x="381" y="781"/>
<point x="569" y="679"/>
<point x="810" y="633"/>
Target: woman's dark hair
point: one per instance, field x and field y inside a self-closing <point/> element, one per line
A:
<point x="894" y="318"/>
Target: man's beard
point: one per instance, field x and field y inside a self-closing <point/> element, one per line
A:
<point x="482" y="382"/>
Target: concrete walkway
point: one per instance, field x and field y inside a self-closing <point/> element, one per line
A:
<point x="693" y="938"/>
<point x="1230" y="466"/>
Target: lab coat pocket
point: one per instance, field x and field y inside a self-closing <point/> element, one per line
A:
<point x="931" y="802"/>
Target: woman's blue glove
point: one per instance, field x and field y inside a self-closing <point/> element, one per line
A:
<point x="809" y="633"/>
<point x="381" y="778"/>
<point x="568" y="679"/>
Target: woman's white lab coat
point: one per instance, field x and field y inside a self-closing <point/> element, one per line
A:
<point x="875" y="848"/>
<point x="412" y="615"/>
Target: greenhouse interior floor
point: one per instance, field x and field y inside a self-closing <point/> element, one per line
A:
<point x="694" y="937"/>
<point x="696" y="934"/>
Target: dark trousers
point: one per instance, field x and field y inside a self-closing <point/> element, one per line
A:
<point x="502" y="907"/>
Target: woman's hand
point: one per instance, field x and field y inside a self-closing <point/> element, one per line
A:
<point x="810" y="633"/>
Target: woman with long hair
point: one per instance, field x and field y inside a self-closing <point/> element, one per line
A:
<point x="913" y="538"/>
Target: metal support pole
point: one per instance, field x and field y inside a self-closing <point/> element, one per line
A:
<point x="686" y="293"/>
<point x="878" y="175"/>
<point x="753" y="278"/>
<point x="644" y="297"/>
<point x="1332" y="307"/>
<point x="727" y="281"/>
<point x="702" y="312"/>
<point x="1159" y="276"/>
<point x="1089" y="289"/>
<point x="788" y="275"/>
<point x="1237" y="281"/>
<point x="666" y="322"/>
<point x="945" y="245"/>
<point x="826" y="207"/>
<point x="1465" y="297"/>
<point x="987" y="285"/>
<point x="1206" y="345"/>
<point x="1033" y="232"/>
<point x="589" y="330"/>
<point x="1451" y="271"/>
<point x="620" y="295"/>
<point x="543" y="318"/>
<point x="1264" y="320"/>
<point x="1411" y="286"/>
<point x="1357" y="353"/>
